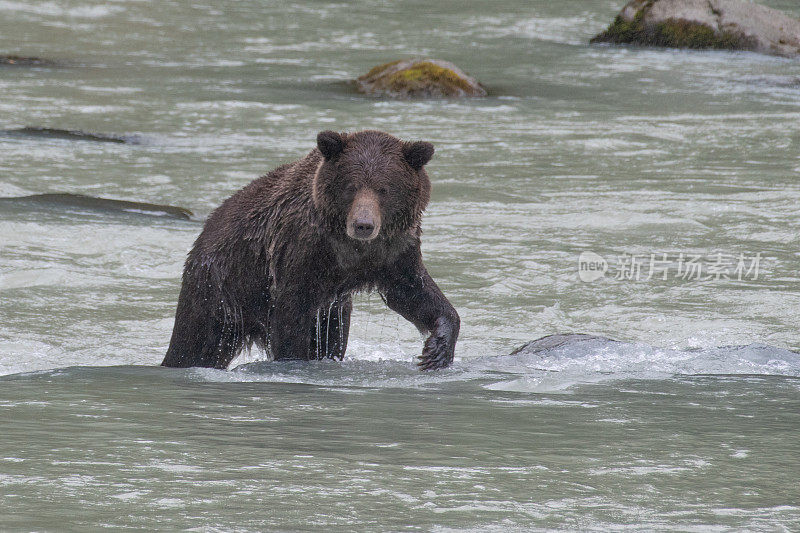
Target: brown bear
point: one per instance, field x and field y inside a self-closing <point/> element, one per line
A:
<point x="277" y="263"/>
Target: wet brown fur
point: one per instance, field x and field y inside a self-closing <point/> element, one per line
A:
<point x="274" y="264"/>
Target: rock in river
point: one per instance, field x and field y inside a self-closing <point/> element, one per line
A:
<point x="91" y="203"/>
<point x="22" y="61"/>
<point x="420" y="78"/>
<point x="716" y="24"/>
<point x="69" y="135"/>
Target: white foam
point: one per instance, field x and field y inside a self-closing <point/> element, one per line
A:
<point x="52" y="9"/>
<point x="597" y="360"/>
<point x="552" y="370"/>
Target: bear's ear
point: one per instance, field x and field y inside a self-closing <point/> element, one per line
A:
<point x="418" y="153"/>
<point x="330" y="144"/>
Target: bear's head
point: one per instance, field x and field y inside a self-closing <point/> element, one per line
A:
<point x="371" y="184"/>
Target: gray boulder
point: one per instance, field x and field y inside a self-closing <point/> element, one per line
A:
<point x="551" y="342"/>
<point x="714" y="24"/>
<point x="81" y="202"/>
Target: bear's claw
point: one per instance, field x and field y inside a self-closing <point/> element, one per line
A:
<point x="436" y="354"/>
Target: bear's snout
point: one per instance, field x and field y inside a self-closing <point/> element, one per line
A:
<point x="364" y="219"/>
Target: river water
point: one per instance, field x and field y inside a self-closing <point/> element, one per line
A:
<point x="676" y="170"/>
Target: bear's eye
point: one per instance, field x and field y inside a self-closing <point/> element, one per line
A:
<point x="383" y="191"/>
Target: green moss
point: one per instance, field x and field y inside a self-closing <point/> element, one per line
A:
<point x="374" y="71"/>
<point x="685" y="34"/>
<point x="424" y="75"/>
<point x="624" y="31"/>
<point x="422" y="78"/>
<point x="673" y="33"/>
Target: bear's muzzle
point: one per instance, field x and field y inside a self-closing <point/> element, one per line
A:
<point x="364" y="218"/>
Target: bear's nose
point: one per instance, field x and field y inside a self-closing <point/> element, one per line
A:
<point x="364" y="217"/>
<point x="363" y="228"/>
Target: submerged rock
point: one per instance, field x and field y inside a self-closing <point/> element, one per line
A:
<point x="561" y="339"/>
<point x="21" y="61"/>
<point x="705" y="24"/>
<point x="80" y="201"/>
<point x="420" y="78"/>
<point x="70" y="135"/>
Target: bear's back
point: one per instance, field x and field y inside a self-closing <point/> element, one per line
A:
<point x="255" y="212"/>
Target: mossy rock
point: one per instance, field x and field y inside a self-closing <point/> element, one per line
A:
<point x="21" y="61"/>
<point x="704" y="24"/>
<point x="419" y="78"/>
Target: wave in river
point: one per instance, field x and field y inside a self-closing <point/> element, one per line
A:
<point x="553" y="363"/>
